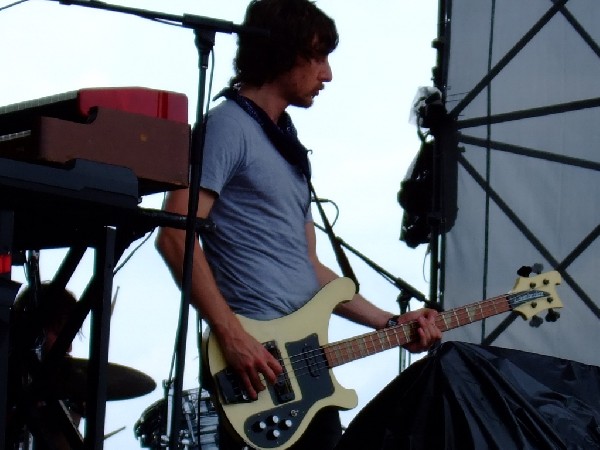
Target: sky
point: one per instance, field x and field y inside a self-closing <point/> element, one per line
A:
<point x="359" y="131"/>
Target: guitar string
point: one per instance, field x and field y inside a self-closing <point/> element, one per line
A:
<point x="385" y="333"/>
<point x="458" y="316"/>
<point x="378" y="338"/>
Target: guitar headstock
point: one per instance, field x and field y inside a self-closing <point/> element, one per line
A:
<point x="531" y="295"/>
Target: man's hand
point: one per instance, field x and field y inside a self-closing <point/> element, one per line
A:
<point x="249" y="360"/>
<point x="428" y="331"/>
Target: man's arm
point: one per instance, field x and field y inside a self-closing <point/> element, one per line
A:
<point x="242" y="352"/>
<point x="362" y="311"/>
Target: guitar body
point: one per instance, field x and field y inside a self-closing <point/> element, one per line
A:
<point x="282" y="412"/>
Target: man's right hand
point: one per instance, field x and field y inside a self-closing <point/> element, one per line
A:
<point x="249" y="359"/>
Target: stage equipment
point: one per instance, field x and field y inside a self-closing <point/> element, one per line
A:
<point x="471" y="397"/>
<point x="205" y="30"/>
<point x="122" y="382"/>
<point x="53" y="200"/>
<point x="145" y="130"/>
<point x="523" y="107"/>
<point x="428" y="209"/>
<point x="198" y="429"/>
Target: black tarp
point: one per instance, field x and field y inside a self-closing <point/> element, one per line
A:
<point x="468" y="396"/>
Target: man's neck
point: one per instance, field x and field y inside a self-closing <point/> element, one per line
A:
<point x="268" y="98"/>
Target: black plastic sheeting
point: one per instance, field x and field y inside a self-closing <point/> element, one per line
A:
<point x="467" y="396"/>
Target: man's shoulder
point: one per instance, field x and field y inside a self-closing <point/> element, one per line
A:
<point x="228" y="110"/>
<point x="230" y="122"/>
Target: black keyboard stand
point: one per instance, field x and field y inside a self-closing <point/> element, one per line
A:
<point x="86" y="205"/>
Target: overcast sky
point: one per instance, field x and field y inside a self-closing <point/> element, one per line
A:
<point x="358" y="129"/>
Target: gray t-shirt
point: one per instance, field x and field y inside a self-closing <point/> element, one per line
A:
<point x="258" y="253"/>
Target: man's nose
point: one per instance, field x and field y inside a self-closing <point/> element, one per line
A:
<point x="326" y="72"/>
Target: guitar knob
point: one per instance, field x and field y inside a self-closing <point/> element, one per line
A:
<point x="273" y="434"/>
<point x="273" y="420"/>
<point x="259" y="426"/>
<point x="286" y="424"/>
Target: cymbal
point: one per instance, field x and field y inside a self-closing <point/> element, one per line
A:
<point x="122" y="382"/>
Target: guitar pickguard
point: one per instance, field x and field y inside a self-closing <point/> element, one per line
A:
<point x="273" y="427"/>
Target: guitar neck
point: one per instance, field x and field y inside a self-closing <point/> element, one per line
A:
<point x="348" y="350"/>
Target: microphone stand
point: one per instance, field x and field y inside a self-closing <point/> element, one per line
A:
<point x="205" y="29"/>
<point x="406" y="290"/>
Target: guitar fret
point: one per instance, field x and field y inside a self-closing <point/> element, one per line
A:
<point x="380" y="340"/>
<point x="406" y="335"/>
<point x="338" y="355"/>
<point x="383" y="339"/>
<point x="363" y="347"/>
<point x="341" y="353"/>
<point x="347" y="350"/>
<point x="444" y="317"/>
<point x="375" y="343"/>
<point x="387" y="338"/>
<point x="471" y="313"/>
<point x="394" y="331"/>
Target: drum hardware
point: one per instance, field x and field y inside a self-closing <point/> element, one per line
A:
<point x="112" y="433"/>
<point x="52" y="413"/>
<point x="123" y="383"/>
<point x="198" y="425"/>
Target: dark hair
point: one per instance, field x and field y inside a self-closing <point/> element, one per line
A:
<point x="297" y="28"/>
<point x="54" y="305"/>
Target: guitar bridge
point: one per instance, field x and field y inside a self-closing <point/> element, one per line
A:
<point x="230" y="387"/>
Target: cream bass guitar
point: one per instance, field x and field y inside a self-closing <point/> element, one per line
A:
<point x="280" y="415"/>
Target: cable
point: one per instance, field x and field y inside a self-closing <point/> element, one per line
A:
<point x="326" y="200"/>
<point x="12" y="4"/>
<point x="128" y="257"/>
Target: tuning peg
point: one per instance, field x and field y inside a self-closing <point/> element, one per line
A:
<point x="525" y="271"/>
<point x="535" y="321"/>
<point x="552" y="315"/>
<point x="537" y="268"/>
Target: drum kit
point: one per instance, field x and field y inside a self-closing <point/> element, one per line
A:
<point x="199" y="418"/>
<point x="49" y="416"/>
<point x="198" y="425"/>
<point x="47" y="395"/>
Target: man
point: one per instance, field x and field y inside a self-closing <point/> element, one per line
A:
<point x="262" y="262"/>
<point x="50" y="315"/>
